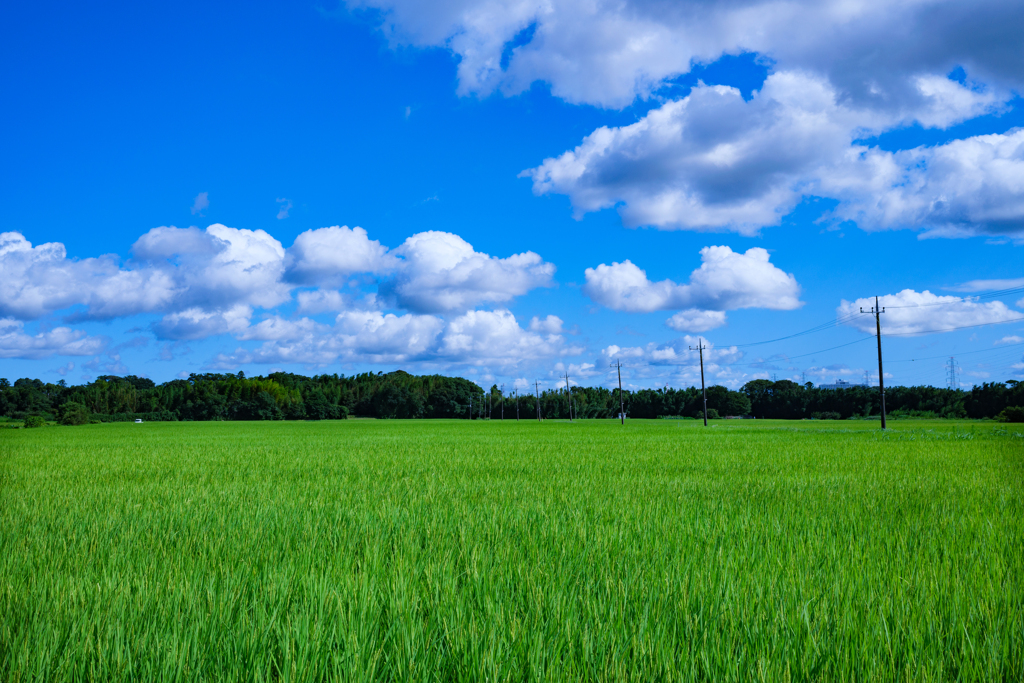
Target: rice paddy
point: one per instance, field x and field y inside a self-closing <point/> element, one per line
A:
<point x="470" y="551"/>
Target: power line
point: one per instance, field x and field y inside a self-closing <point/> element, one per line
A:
<point x="967" y="299"/>
<point x="963" y="353"/>
<point x="817" y="328"/>
<point x="950" y="329"/>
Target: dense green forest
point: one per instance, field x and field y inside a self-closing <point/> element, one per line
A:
<point x="286" y="396"/>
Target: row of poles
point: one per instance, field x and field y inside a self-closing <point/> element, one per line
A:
<point x="875" y="310"/>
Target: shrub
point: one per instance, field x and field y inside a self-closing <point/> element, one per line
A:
<point x="34" y="421"/>
<point x="73" y="414"/>
<point x="712" y="414"/>
<point x="1012" y="414"/>
<point x="826" y="415"/>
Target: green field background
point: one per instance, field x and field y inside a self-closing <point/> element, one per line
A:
<point x="436" y="550"/>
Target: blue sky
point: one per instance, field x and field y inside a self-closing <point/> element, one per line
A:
<point x="541" y="187"/>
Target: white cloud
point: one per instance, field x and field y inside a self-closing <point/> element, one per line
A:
<point x="276" y="328"/>
<point x="60" y="341"/>
<point x="488" y="337"/>
<point x="321" y="301"/>
<point x="714" y="161"/>
<point x="199" y="323"/>
<point x="328" y="256"/>
<point x="959" y="189"/>
<point x="475" y="338"/>
<point x="843" y="71"/>
<point x="710" y="160"/>
<point x="201" y="203"/>
<point x="696" y="320"/>
<point x="285" y="207"/>
<point x="726" y="280"/>
<point x="218" y="267"/>
<point x="989" y="285"/>
<point x="552" y="324"/>
<point x="442" y="272"/>
<point x="39" y="280"/>
<point x="1011" y="339"/>
<point x="876" y="53"/>
<point x="674" y="363"/>
<point x="911" y="313"/>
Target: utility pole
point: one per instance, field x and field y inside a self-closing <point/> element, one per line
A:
<point x="878" y="330"/>
<point x="568" y="395"/>
<point x="952" y="370"/>
<point x="622" y="411"/>
<point x="536" y="386"/>
<point x="517" y="404"/>
<point x="703" y="391"/>
<point x="501" y="400"/>
<point x="471" y="407"/>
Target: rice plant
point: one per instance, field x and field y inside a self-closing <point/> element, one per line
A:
<point x="471" y="551"/>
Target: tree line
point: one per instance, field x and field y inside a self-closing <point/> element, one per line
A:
<point x="288" y="396"/>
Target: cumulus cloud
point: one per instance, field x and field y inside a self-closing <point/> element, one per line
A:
<point x="842" y="71"/>
<point x="210" y="282"/>
<point x="199" y="323"/>
<point x="608" y="53"/>
<point x="442" y="272"/>
<point x="60" y="341"/>
<point x="321" y="301"/>
<point x="911" y="313"/>
<point x="696" y="320"/>
<point x="708" y="161"/>
<point x="551" y="324"/>
<point x="328" y="256"/>
<point x="959" y="189"/>
<point x="726" y="280"/>
<point x="714" y="161"/>
<point x="475" y="338"/>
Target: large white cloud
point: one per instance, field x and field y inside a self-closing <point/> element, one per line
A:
<point x="60" y="341"/>
<point x="475" y="338"/>
<point x="35" y="281"/>
<point x="210" y="282"/>
<point x="696" y="320"/>
<point x="726" y="280"/>
<point x="958" y="189"/>
<point x="173" y="270"/>
<point x="608" y="52"/>
<point x="327" y="256"/>
<point x="843" y="71"/>
<point x="440" y="272"/>
<point x="715" y="161"/>
<point x="911" y="313"/>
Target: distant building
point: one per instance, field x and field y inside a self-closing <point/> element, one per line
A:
<point x="840" y="384"/>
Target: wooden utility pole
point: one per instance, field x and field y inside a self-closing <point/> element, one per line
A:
<point x="517" y="403"/>
<point x="536" y="386"/>
<point x="703" y="392"/>
<point x="878" y="332"/>
<point x="471" y="407"/>
<point x="501" y="401"/>
<point x="622" y="411"/>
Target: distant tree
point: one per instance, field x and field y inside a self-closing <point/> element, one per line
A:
<point x="72" y="413"/>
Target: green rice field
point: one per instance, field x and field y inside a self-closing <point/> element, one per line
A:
<point x="504" y="551"/>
